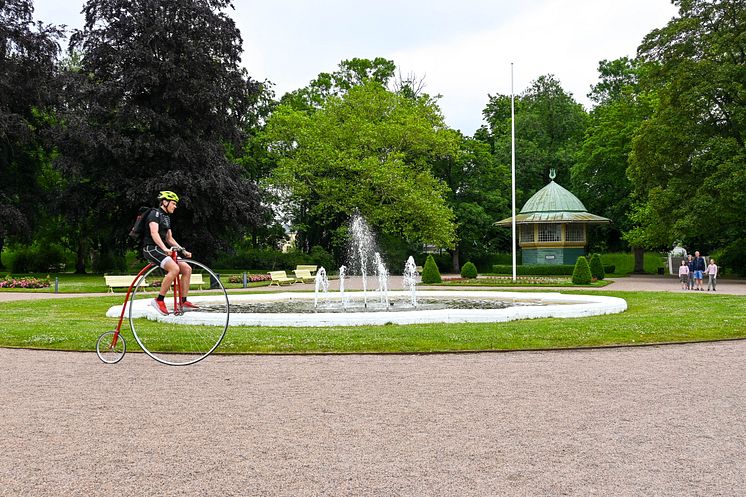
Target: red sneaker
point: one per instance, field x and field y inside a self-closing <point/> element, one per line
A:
<point x="188" y="306"/>
<point x="160" y="306"/>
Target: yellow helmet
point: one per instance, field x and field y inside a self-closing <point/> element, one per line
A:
<point x="167" y="195"/>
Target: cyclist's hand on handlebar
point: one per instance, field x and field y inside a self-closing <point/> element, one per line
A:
<point x="182" y="251"/>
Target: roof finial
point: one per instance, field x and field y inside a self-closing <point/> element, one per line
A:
<point x="552" y="174"/>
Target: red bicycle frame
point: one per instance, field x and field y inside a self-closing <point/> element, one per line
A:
<point x="176" y="287"/>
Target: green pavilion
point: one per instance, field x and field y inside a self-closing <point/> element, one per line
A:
<point x="552" y="227"/>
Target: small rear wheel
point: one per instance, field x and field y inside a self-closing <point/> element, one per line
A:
<point x="110" y="347"/>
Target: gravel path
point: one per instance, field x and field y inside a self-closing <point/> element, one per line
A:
<point x="637" y="421"/>
<point x="666" y="420"/>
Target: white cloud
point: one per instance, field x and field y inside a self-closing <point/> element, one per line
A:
<point x="463" y="49"/>
<point x="566" y="38"/>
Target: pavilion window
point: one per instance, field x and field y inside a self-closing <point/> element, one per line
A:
<point x="527" y="233"/>
<point x="550" y="232"/>
<point x="575" y="233"/>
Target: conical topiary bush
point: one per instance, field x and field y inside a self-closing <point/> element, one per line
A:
<point x="581" y="275"/>
<point x="469" y="270"/>
<point x="597" y="268"/>
<point x="430" y="272"/>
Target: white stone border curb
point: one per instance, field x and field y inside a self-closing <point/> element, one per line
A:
<point x="557" y="305"/>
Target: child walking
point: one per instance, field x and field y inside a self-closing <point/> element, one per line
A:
<point x="712" y="275"/>
<point x="684" y="275"/>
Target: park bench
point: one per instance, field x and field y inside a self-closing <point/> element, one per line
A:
<point x="280" y="277"/>
<point x="304" y="276"/>
<point x="124" y="281"/>
<point x="120" y="281"/>
<point x="311" y="268"/>
<point x="197" y="279"/>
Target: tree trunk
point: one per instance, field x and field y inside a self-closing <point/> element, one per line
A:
<point x="455" y="260"/>
<point x="80" y="256"/>
<point x="639" y="253"/>
<point x="2" y="245"/>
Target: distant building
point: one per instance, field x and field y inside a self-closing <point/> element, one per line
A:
<point x="552" y="226"/>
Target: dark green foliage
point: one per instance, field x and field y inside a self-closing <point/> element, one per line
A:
<point x="430" y="272"/>
<point x="157" y="100"/>
<point x="28" y="53"/>
<point x="37" y="258"/>
<point x="469" y="270"/>
<point x="582" y="273"/>
<point x="597" y="269"/>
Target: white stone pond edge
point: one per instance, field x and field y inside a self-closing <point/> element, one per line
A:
<point x="557" y="305"/>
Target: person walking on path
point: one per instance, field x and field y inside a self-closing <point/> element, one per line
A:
<point x="712" y="275"/>
<point x="684" y="275"/>
<point x="699" y="269"/>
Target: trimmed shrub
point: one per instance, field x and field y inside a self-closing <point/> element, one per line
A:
<point x="430" y="272"/>
<point x="469" y="270"/>
<point x="582" y="273"/>
<point x="597" y="269"/>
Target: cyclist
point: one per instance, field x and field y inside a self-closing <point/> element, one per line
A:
<point x="156" y="242"/>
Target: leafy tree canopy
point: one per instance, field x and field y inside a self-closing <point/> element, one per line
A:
<point x="549" y="127"/>
<point x="599" y="176"/>
<point x="687" y="160"/>
<point x="350" y="73"/>
<point x="368" y="149"/>
<point x="156" y="101"/>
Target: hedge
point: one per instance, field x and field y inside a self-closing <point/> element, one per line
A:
<point x="542" y="269"/>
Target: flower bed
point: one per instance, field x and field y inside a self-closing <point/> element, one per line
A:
<point x="9" y="282"/>
<point x="251" y="278"/>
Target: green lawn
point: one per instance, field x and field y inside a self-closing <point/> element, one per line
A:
<point x="652" y="317"/>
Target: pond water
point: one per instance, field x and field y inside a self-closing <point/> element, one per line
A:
<point x="394" y="305"/>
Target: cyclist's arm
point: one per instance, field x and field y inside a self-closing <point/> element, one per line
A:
<point x="157" y="238"/>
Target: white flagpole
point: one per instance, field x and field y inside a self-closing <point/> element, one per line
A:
<point x="512" y="166"/>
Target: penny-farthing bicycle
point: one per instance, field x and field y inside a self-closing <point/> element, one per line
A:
<point x="171" y="339"/>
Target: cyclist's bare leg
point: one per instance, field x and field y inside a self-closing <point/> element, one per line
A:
<point x="172" y="271"/>
<point x="186" y="275"/>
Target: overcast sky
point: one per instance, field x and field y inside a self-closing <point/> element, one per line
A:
<point x="463" y="50"/>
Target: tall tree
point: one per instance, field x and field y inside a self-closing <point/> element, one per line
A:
<point x="368" y="150"/>
<point x="28" y="55"/>
<point x="479" y="189"/>
<point x="549" y="130"/>
<point x="688" y="159"/>
<point x="157" y="101"/>
<point x="599" y="177"/>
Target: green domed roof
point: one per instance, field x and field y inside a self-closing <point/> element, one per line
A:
<point x="553" y="198"/>
<point x="553" y="204"/>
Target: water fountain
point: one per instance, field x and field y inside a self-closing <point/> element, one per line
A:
<point x="324" y="308"/>
<point x="383" y="279"/>
<point x="410" y="279"/>
<point x="321" y="283"/>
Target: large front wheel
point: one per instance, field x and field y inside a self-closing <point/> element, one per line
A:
<point x="179" y="338"/>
